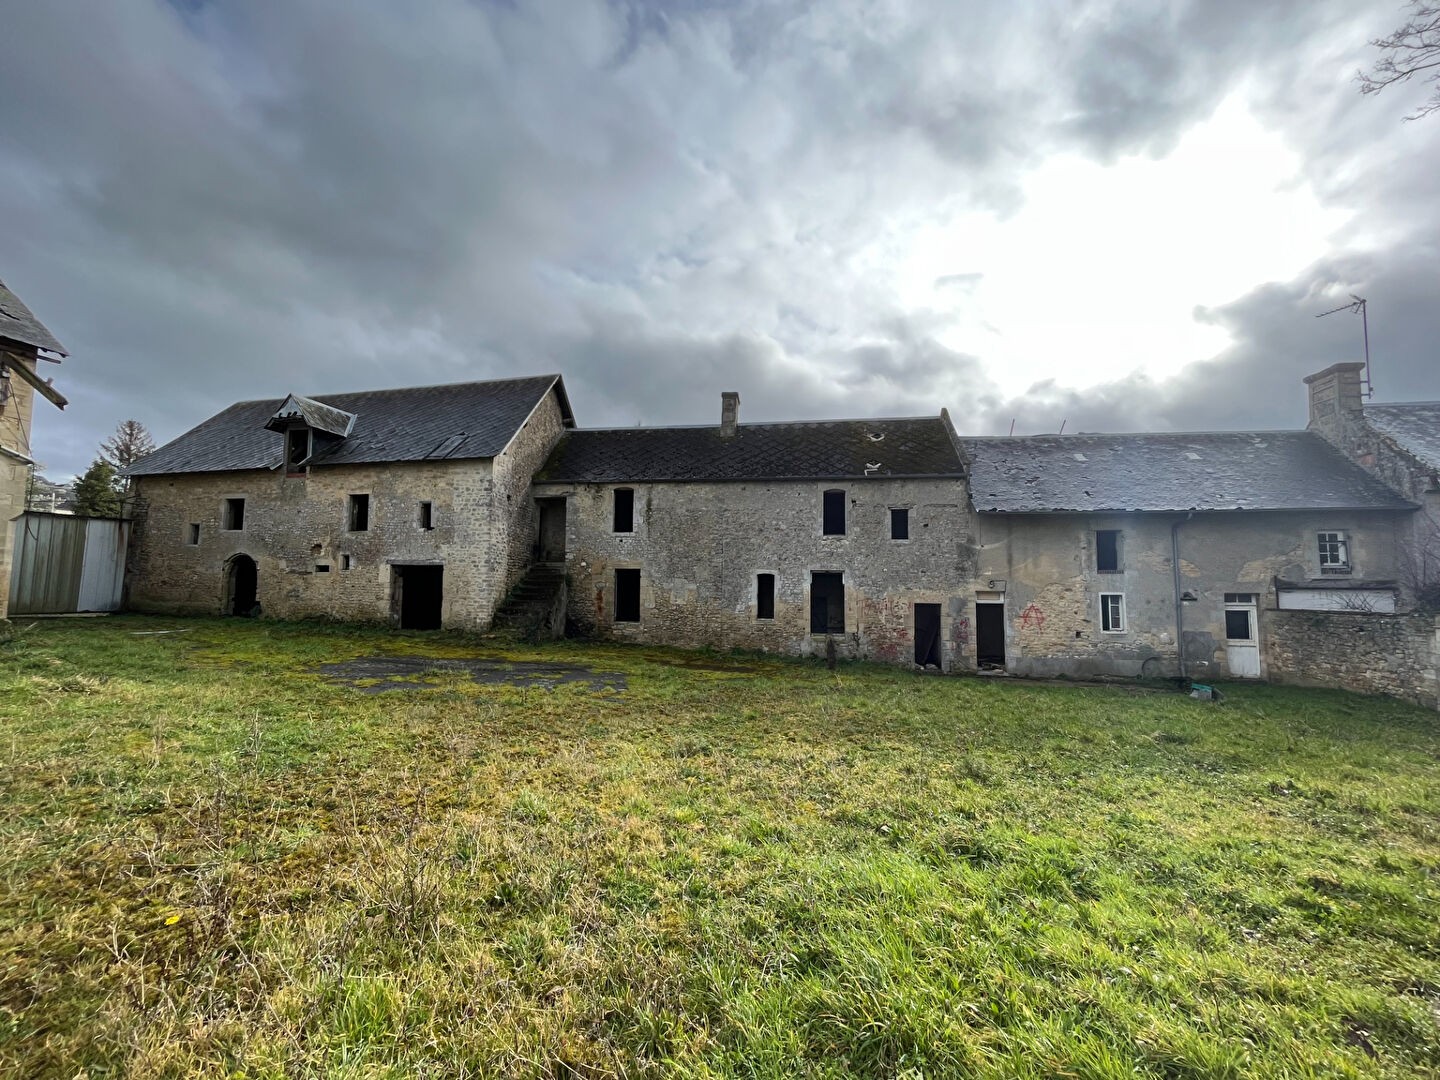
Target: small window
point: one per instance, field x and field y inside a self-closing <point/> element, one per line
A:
<point x="827" y="603"/>
<point x="833" y="523"/>
<point x="346" y="562"/>
<point x="1240" y="598"/>
<point x="233" y="518"/>
<point x="1107" y="551"/>
<point x="899" y="523"/>
<point x="1334" y="553"/>
<point x="297" y="450"/>
<point x="358" y="513"/>
<point x="764" y="596"/>
<point x="1238" y="625"/>
<point x="322" y="568"/>
<point x="624" y="519"/>
<point x="1112" y="613"/>
<point x="427" y="516"/>
<point x="192" y="534"/>
<point x="627" y="595"/>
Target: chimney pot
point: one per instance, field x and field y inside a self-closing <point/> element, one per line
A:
<point x="729" y="413"/>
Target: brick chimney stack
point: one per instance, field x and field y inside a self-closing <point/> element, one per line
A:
<point x="1335" y="400"/>
<point x="729" y="413"/>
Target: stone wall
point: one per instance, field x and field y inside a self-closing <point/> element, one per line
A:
<point x="15" y="420"/>
<point x="1046" y="566"/>
<point x="699" y="548"/>
<point x="1367" y="653"/>
<point x="512" y="473"/>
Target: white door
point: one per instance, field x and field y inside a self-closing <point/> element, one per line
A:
<point x="1242" y="636"/>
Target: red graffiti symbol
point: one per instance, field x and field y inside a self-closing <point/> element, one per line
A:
<point x="1032" y="616"/>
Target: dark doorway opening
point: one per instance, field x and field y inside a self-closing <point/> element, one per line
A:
<point x="550" y="538"/>
<point x="827" y="603"/>
<point x="417" y="595"/>
<point x="990" y="635"/>
<point x="627" y="595"/>
<point x="242" y="587"/>
<point x="927" y="635"/>
<point x="764" y="596"/>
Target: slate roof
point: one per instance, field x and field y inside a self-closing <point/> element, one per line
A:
<point x="1415" y="426"/>
<point x="18" y="324"/>
<point x="462" y="420"/>
<point x="1249" y="470"/>
<point x="313" y="415"/>
<point x="815" y="450"/>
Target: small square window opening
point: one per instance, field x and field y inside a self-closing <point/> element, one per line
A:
<point x="322" y="568"/>
<point x="1334" y="553"/>
<point x="358" y="513"/>
<point x="1112" y="613"/>
<point x="899" y="523"/>
<point x="346" y="562"/>
<point x="192" y="534"/>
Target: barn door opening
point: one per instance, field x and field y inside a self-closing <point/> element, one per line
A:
<point x="418" y="592"/>
<point x="242" y="587"/>
<point x="990" y="634"/>
<point x="550" y="542"/>
<point x="927" y="635"/>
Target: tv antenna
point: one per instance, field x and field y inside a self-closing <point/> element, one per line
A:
<point x="1358" y="305"/>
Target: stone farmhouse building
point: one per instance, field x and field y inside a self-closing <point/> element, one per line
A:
<point x="1289" y="555"/>
<point x="24" y="342"/>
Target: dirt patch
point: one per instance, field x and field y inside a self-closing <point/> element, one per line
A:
<point x="374" y="674"/>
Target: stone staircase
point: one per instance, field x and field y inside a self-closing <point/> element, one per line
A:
<point x="535" y="607"/>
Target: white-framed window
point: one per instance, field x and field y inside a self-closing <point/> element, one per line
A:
<point x="1334" y="552"/>
<point x="1112" y="612"/>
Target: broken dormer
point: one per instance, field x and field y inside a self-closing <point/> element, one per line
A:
<point x="310" y="428"/>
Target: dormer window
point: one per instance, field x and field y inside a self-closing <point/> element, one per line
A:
<point x="297" y="451"/>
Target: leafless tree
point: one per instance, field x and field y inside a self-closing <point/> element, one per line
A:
<point x="1412" y="50"/>
<point x="128" y="445"/>
<point x="1420" y="562"/>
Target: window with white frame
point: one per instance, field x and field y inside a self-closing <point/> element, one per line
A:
<point x="1112" y="612"/>
<point x="1334" y="552"/>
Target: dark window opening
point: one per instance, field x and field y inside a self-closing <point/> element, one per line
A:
<point x="417" y="593"/>
<point x="765" y="596"/>
<point x="624" y="510"/>
<point x="1237" y="626"/>
<point x="827" y="603"/>
<point x="899" y="523"/>
<point x="297" y="449"/>
<point x="194" y="534"/>
<point x="427" y="516"/>
<point x="234" y="517"/>
<point x="1107" y="551"/>
<point x="322" y="568"/>
<point x="627" y="595"/>
<point x="346" y="562"/>
<point x="834" y="514"/>
<point x="359" y="513"/>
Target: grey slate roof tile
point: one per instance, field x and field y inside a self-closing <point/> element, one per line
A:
<point x="18" y="324"/>
<point x="409" y="424"/>
<point x="1415" y="426"/>
<point x="814" y="450"/>
<point x="1249" y="470"/>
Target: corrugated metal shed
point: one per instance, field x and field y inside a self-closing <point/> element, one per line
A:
<point x="67" y="564"/>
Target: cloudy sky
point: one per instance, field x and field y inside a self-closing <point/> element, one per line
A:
<point x="1117" y="216"/>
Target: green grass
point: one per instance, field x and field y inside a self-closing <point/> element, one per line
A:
<point x="217" y="863"/>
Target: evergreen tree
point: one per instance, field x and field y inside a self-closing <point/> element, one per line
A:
<point x="128" y="445"/>
<point x="95" y="494"/>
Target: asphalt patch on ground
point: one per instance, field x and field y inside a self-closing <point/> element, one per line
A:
<point x="375" y="674"/>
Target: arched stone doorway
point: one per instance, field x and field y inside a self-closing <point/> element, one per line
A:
<point x="242" y="587"/>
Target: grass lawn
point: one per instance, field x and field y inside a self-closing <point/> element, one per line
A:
<point x="217" y="862"/>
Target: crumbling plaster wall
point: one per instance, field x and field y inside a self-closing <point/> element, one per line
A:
<point x="700" y="546"/>
<point x="15" y="418"/>
<point x="1046" y="566"/>
<point x="294" y="524"/>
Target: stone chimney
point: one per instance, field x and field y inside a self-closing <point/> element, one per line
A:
<point x="1335" y="400"/>
<point x="729" y="413"/>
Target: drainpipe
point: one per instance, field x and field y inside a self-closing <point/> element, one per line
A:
<point x="1179" y="604"/>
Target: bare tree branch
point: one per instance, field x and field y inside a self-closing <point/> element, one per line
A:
<point x="1413" y="49"/>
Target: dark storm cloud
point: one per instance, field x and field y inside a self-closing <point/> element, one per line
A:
<point x="210" y="202"/>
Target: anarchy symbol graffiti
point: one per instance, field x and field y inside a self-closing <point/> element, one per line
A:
<point x="1032" y="616"/>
